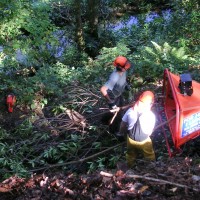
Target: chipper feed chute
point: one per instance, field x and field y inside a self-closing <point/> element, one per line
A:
<point x="182" y="100"/>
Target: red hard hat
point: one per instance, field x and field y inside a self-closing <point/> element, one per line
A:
<point x="122" y="62"/>
<point x="10" y="100"/>
<point x="147" y="97"/>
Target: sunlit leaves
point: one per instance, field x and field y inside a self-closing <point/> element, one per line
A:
<point x="158" y="57"/>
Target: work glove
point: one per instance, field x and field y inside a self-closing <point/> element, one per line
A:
<point x="128" y="80"/>
<point x="128" y="87"/>
<point x="113" y="107"/>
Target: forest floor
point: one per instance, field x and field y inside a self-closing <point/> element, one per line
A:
<point x="173" y="178"/>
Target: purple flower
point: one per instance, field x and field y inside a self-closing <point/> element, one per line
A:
<point x="150" y="17"/>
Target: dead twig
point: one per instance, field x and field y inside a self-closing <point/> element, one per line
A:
<point x="166" y="122"/>
<point x="162" y="181"/>
<point x="113" y="117"/>
<point x="121" y="108"/>
<point x="151" y="179"/>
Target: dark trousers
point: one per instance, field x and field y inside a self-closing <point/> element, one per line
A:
<point x="107" y="117"/>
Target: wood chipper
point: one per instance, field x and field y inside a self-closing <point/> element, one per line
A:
<point x="182" y="108"/>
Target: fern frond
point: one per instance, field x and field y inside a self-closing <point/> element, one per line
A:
<point x="157" y="47"/>
<point x="150" y="51"/>
<point x="178" y="53"/>
<point x="166" y="47"/>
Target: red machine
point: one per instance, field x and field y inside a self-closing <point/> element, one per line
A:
<point x="10" y="101"/>
<point x="182" y="110"/>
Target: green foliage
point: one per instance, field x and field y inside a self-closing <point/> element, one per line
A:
<point x="51" y="153"/>
<point x="164" y="30"/>
<point x="22" y="29"/>
<point x="98" y="164"/>
<point x="26" y="26"/>
<point x="58" y="109"/>
<point x="95" y="71"/>
<point x="155" y="59"/>
<point x="29" y="149"/>
<point x="9" y="22"/>
<point x="25" y="129"/>
<point x="185" y="5"/>
<point x="103" y="162"/>
<point x="71" y="56"/>
<point x="39" y="29"/>
<point x="109" y="54"/>
<point x="48" y="81"/>
<point x="113" y="160"/>
<point x="3" y="134"/>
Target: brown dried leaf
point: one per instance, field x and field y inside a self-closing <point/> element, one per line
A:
<point x="143" y="189"/>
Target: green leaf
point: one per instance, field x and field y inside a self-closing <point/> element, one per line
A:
<point x="157" y="47"/>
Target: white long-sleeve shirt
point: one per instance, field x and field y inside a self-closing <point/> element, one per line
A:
<point x="147" y="121"/>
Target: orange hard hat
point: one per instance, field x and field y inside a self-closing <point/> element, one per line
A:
<point x="122" y="62"/>
<point x="147" y="98"/>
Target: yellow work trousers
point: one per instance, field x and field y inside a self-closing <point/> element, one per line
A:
<point x="134" y="148"/>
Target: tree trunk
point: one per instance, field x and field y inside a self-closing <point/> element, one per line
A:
<point x="79" y="28"/>
<point x="93" y="7"/>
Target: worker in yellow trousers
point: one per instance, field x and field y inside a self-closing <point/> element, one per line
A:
<point x="138" y="122"/>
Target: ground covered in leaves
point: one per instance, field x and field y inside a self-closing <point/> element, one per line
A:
<point x="175" y="178"/>
<point x="166" y="178"/>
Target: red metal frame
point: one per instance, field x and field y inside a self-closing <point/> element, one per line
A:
<point x="175" y="103"/>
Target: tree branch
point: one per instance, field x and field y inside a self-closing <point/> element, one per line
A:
<point x="77" y="161"/>
<point x="162" y="181"/>
<point x="151" y="179"/>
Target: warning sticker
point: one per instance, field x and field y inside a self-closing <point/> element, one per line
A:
<point x="191" y="124"/>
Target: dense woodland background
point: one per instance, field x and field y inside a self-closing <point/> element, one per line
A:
<point x="54" y="57"/>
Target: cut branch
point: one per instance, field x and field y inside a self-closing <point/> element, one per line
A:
<point x="77" y="161"/>
<point x="162" y="181"/>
